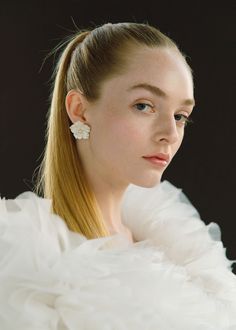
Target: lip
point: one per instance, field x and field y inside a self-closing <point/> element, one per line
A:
<point x="159" y="156"/>
<point x="160" y="159"/>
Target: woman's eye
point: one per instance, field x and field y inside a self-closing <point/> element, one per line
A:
<point x="143" y="107"/>
<point x="183" y="119"/>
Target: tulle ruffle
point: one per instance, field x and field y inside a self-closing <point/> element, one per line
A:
<point x="177" y="275"/>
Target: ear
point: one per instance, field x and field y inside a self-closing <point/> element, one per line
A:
<point x="75" y="103"/>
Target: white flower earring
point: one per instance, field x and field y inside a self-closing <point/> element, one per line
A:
<point x="80" y="130"/>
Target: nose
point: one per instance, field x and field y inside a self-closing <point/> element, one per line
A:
<point x="166" y="130"/>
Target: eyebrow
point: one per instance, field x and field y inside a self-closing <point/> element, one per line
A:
<point x="159" y="92"/>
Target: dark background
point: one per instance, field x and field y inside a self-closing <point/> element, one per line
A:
<point x="205" y="165"/>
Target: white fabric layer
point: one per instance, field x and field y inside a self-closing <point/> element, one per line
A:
<point x="176" y="277"/>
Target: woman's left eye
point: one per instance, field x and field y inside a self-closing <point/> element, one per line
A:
<point x="143" y="107"/>
<point x="183" y="119"/>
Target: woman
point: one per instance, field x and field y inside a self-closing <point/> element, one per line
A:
<point x="110" y="246"/>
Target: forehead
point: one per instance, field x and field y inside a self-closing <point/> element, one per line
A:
<point x="164" y="69"/>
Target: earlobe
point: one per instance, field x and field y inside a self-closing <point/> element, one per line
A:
<point x="75" y="106"/>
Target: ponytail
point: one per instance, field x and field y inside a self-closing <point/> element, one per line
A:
<point x="61" y="177"/>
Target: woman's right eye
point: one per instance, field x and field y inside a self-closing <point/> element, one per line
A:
<point x="143" y="107"/>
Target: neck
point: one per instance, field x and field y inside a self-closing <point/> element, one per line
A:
<point x="109" y="191"/>
<point x="109" y="197"/>
<point x="109" y="201"/>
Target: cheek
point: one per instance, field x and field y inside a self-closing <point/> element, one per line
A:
<point x="177" y="145"/>
<point x="125" y="134"/>
<point x="122" y="136"/>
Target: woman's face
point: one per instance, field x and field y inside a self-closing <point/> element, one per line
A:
<point x="129" y="122"/>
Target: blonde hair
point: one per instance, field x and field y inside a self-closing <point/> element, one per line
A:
<point x="89" y="58"/>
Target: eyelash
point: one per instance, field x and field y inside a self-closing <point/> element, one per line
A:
<point x="187" y="119"/>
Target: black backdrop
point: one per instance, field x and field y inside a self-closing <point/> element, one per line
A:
<point x="205" y="165"/>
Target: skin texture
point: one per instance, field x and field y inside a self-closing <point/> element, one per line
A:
<point x="123" y="130"/>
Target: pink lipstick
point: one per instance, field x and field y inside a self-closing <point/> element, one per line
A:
<point x="159" y="159"/>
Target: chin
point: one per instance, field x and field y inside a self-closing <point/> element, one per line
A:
<point x="147" y="182"/>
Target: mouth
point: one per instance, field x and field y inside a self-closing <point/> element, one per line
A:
<point x="159" y="160"/>
<point x="159" y="157"/>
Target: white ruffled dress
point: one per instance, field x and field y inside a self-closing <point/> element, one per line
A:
<point x="175" y="277"/>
